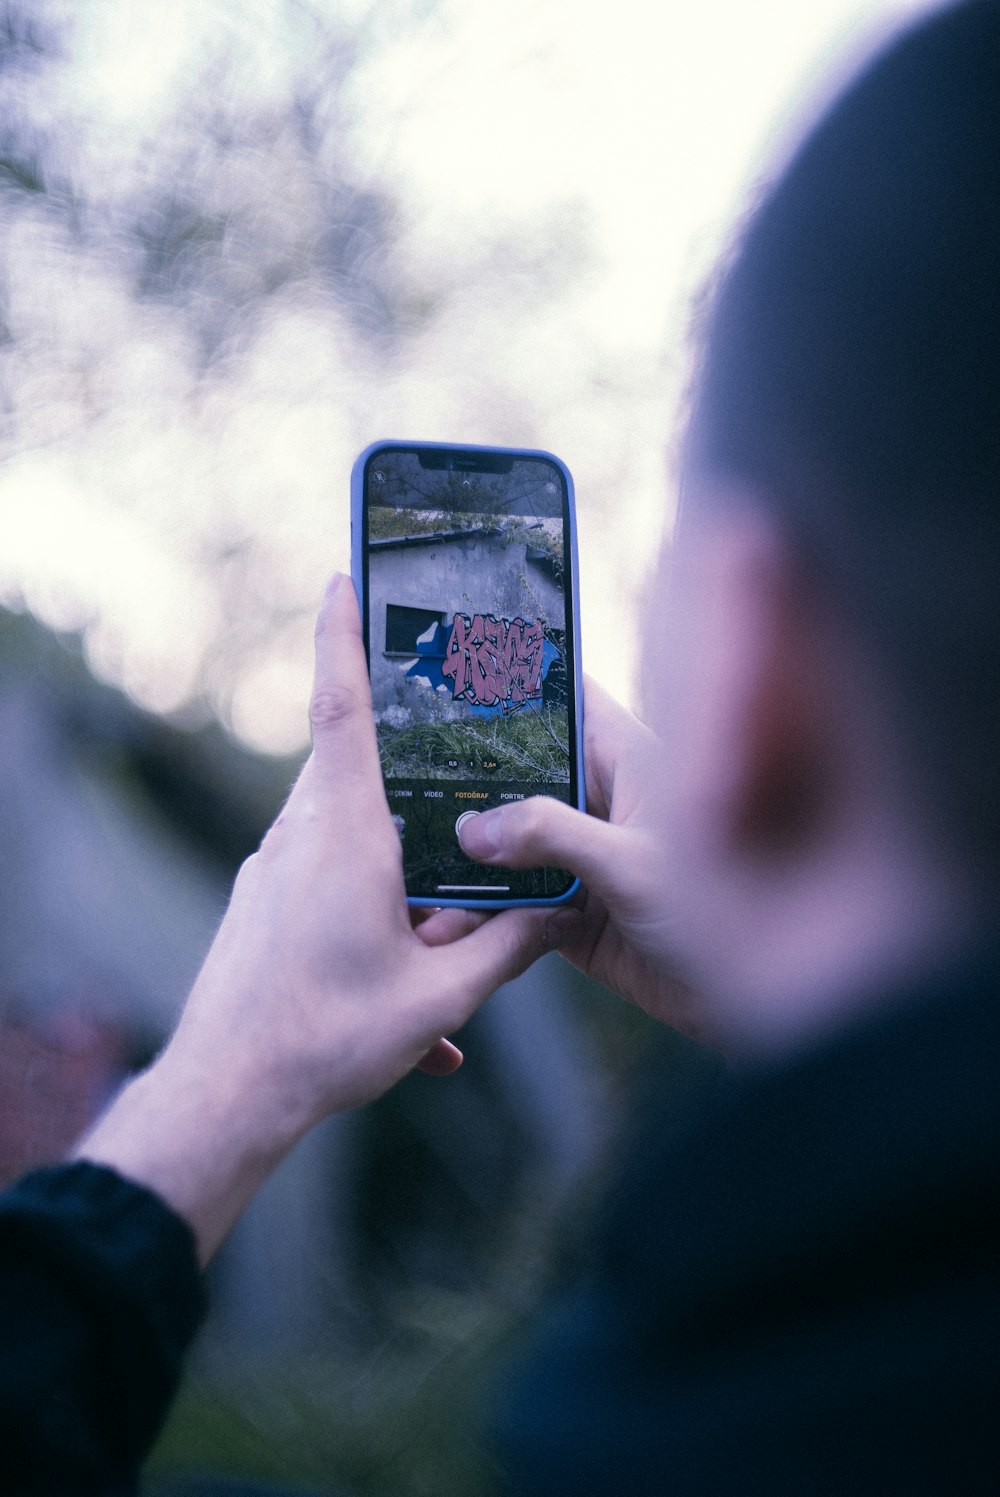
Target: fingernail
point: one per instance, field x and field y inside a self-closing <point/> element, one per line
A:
<point x="332" y="585"/>
<point x="480" y="835"/>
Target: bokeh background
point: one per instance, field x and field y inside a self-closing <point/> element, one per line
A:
<point x="238" y="243"/>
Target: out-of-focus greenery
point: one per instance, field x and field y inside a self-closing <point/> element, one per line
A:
<point x="397" y="1420"/>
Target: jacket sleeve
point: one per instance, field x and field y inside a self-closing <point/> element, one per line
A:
<point x="100" y="1295"/>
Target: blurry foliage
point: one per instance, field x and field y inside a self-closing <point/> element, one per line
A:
<point x="400" y="1414"/>
<point x="200" y="317"/>
<point x="243" y="205"/>
<point x="394" y="1423"/>
<point x="231" y="199"/>
<point x="228" y="203"/>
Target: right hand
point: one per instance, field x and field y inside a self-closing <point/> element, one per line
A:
<point x="620" y="934"/>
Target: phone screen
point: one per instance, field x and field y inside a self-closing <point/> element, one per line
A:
<point x="467" y="561"/>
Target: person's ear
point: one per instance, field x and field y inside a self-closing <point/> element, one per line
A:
<point x="782" y="797"/>
<point x="768" y="698"/>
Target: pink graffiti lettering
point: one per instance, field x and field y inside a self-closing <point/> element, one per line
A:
<point x="494" y="662"/>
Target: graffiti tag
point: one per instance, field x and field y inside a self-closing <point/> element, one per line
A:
<point x="494" y="662"/>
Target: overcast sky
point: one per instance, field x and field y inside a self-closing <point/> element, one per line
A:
<point x="638" y="128"/>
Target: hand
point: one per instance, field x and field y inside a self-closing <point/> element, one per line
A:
<point x="620" y="935"/>
<point x="317" y="994"/>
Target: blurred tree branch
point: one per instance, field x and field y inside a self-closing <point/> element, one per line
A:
<point x="201" y="311"/>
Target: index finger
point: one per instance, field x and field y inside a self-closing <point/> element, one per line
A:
<point x="609" y="731"/>
<point x="340" y="709"/>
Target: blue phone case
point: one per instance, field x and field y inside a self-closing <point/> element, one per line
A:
<point x="357" y="574"/>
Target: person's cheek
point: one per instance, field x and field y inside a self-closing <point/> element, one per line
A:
<point x="667" y="683"/>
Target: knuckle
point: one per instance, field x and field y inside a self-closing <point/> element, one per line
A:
<point x="270" y="843"/>
<point x="247" y="873"/>
<point x="331" y="706"/>
<point x="323" y="624"/>
<point x="384" y="849"/>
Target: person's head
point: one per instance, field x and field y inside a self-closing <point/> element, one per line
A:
<point x="837" y="557"/>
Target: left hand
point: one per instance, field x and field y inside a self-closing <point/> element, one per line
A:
<point x="318" y="993"/>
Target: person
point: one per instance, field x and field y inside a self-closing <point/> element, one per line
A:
<point x="794" y="1288"/>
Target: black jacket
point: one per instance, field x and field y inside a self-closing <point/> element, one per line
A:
<point x="796" y="1290"/>
<point x="100" y="1295"/>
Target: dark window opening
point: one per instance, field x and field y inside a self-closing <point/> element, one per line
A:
<point x="404" y="627"/>
<point x="555" y="690"/>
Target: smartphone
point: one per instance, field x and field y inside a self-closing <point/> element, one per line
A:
<point x="464" y="559"/>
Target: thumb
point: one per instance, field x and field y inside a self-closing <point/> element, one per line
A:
<point x="542" y="832"/>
